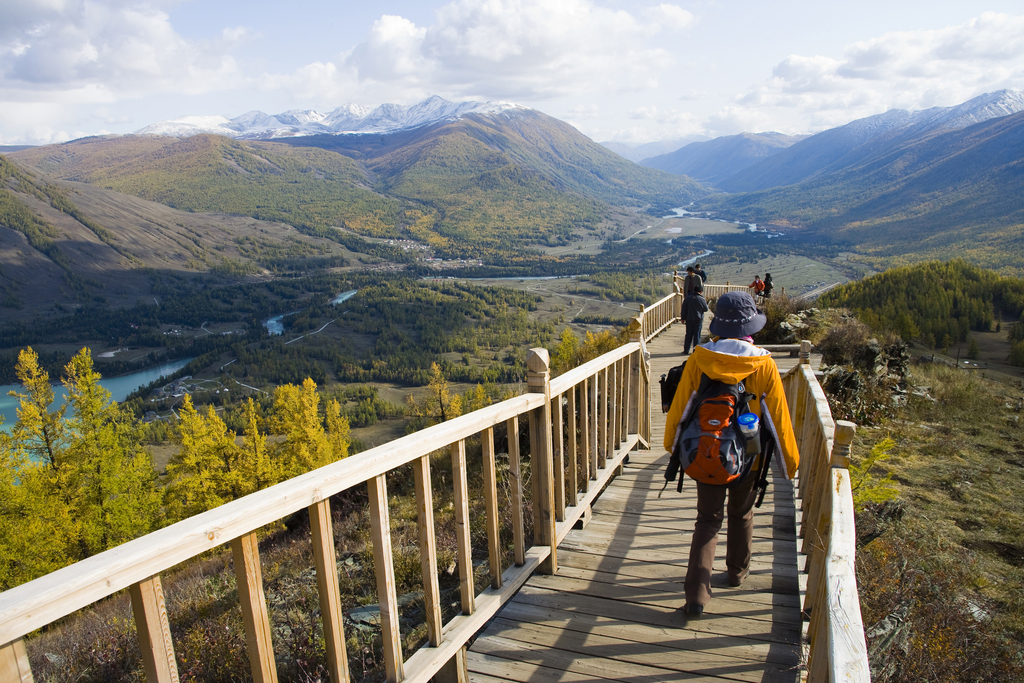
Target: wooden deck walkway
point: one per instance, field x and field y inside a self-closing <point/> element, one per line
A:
<point x="612" y="610"/>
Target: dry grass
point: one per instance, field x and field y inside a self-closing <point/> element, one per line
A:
<point x="941" y="570"/>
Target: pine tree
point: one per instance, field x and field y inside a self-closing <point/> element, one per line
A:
<point x="296" y="415"/>
<point x="198" y="479"/>
<point x="113" y="472"/>
<point x="256" y="468"/>
<point x="972" y="349"/>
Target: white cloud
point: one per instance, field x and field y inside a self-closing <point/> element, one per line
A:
<point x="672" y="17"/>
<point x="908" y="70"/>
<point x="506" y="49"/>
<point x="125" y="48"/>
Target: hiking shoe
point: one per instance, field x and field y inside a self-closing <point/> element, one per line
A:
<point x="693" y="611"/>
<point x="735" y="581"/>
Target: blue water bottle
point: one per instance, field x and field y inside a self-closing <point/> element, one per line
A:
<point x="749" y="425"/>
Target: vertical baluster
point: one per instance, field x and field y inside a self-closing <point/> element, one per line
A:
<point x="585" y="434"/>
<point x="627" y="396"/>
<point x="384" y="568"/>
<point x="321" y="528"/>
<point x="154" y="631"/>
<point x="558" y="443"/>
<point x="574" y="480"/>
<point x="428" y="548"/>
<point x="465" y="549"/>
<point x="613" y="409"/>
<point x="14" y="666"/>
<point x="620" y="405"/>
<point x="246" y="553"/>
<point x="594" y="381"/>
<point x="491" y="502"/>
<point x="602" y="447"/>
<point x="519" y="546"/>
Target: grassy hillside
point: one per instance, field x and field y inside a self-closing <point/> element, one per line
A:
<point x="267" y="181"/>
<point x="64" y="245"/>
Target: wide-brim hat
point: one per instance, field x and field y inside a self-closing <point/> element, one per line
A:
<point x="736" y="316"/>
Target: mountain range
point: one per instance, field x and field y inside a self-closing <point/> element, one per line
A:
<point x="346" y="119"/>
<point x="757" y="161"/>
<point x="901" y="187"/>
<point x="114" y="218"/>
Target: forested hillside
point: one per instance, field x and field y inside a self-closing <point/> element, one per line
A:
<point x="935" y="303"/>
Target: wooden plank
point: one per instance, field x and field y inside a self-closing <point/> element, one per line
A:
<point x="491" y="503"/>
<point x="14" y="666"/>
<point x="384" y="568"/>
<point x="428" y="548"/>
<point x="684" y="640"/>
<point x="249" y="577"/>
<point x="324" y="559"/>
<point x="154" y="631"/>
<point x="662" y="653"/>
<point x="848" y="654"/>
<point x="667" y="615"/>
<point x="723" y="604"/>
<point x="516" y="482"/>
<point x="464" y="552"/>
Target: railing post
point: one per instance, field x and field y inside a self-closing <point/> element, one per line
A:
<point x="14" y="666"/>
<point x="249" y="577"/>
<point x="538" y="380"/>
<point x="324" y="557"/>
<point x="384" y="568"/>
<point x="154" y="631"/>
<point x="677" y="302"/>
<point x="843" y="444"/>
<point x="428" y="549"/>
<point x="805" y="352"/>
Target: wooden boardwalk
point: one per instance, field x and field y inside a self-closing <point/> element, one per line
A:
<point x="611" y="613"/>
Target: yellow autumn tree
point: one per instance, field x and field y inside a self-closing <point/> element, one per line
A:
<point x="296" y="416"/>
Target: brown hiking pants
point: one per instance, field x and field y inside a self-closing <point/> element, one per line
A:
<point x="711" y="505"/>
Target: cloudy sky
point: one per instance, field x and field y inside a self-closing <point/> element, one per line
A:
<point x="631" y="71"/>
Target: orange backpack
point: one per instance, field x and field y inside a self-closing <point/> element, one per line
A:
<point x="709" y="445"/>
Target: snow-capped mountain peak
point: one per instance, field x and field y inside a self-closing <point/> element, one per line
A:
<point x="348" y="118"/>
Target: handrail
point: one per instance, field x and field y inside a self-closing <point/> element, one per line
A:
<point x="584" y="421"/>
<point x="837" y="648"/>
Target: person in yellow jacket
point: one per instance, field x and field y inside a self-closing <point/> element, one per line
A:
<point x="732" y="358"/>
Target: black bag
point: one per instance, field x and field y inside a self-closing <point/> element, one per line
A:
<point x="669" y="383"/>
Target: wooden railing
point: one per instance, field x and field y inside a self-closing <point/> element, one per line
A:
<point x="581" y="426"/>
<point x="825" y="531"/>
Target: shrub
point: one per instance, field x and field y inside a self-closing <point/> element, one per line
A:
<point x="843" y="342"/>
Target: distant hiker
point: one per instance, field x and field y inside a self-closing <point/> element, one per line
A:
<point x="690" y="280"/>
<point x="730" y="360"/>
<point x="694" y="308"/>
<point x="768" y="286"/>
<point x="757" y="285"/>
<point x="700" y="271"/>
